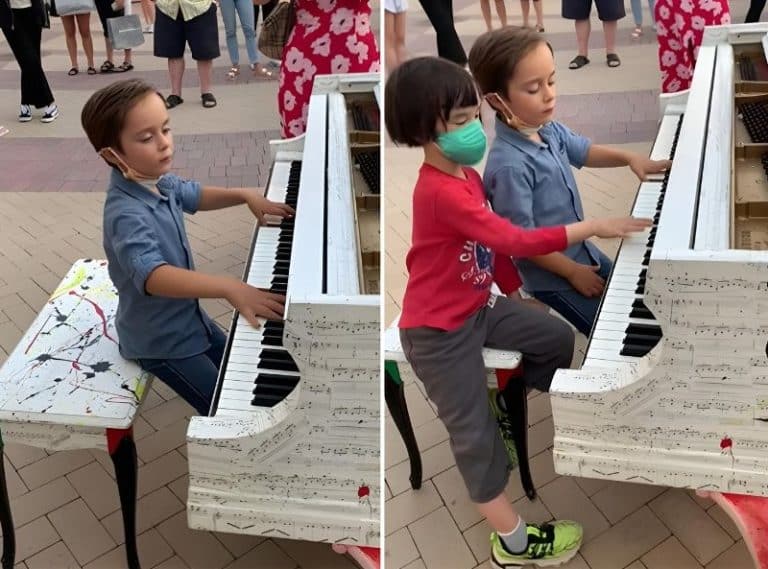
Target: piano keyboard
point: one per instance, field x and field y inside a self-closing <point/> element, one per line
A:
<point x="369" y="168"/>
<point x="755" y="117"/>
<point x="625" y="329"/>
<point x="256" y="370"/>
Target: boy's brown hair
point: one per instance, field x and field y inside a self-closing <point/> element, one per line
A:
<point x="495" y="56"/>
<point x="103" y="116"/>
<point x="422" y="91"/>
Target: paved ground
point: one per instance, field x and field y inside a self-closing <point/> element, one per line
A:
<point x="628" y="526"/>
<point x="65" y="505"/>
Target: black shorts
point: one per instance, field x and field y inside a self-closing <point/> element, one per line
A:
<point x="201" y="32"/>
<point x="607" y="10"/>
<point x="104" y="8"/>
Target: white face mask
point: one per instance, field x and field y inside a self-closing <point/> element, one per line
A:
<point x="150" y="184"/>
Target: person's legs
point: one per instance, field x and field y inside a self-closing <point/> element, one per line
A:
<point x="176" y="73"/>
<point x="400" y="23"/>
<point x="228" y="16"/>
<point x="245" y="13"/>
<point x="148" y="11"/>
<point x="525" y="9"/>
<point x="71" y="40"/>
<point x="27" y="33"/>
<point x="84" y="26"/>
<point x="501" y="10"/>
<point x="755" y="10"/>
<point x="390" y="49"/>
<point x="609" y="31"/>
<point x="610" y="12"/>
<point x="440" y="14"/>
<point x="485" y="9"/>
<point x="637" y="13"/>
<point x="583" y="28"/>
<point x="205" y="71"/>
<point x="539" y="9"/>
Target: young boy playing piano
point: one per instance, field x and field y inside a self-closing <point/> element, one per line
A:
<point x="528" y="176"/>
<point x="159" y="319"/>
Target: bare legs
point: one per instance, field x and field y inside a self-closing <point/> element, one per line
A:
<point x="81" y="22"/>
<point x="501" y="10"/>
<point x="176" y="71"/>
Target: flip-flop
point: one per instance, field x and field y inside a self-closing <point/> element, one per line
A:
<point x="540" y="29"/>
<point x="72" y="72"/>
<point x="612" y="60"/>
<point x="578" y="62"/>
<point x="92" y="71"/>
<point x="209" y="101"/>
<point x="173" y="101"/>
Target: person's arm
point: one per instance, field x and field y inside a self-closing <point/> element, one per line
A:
<point x="212" y="197"/>
<point x="606" y="157"/>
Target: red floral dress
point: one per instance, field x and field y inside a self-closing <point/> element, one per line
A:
<point x="330" y="36"/>
<point x="679" y="29"/>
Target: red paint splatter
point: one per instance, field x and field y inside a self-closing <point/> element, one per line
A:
<point x="75" y="366"/>
<point x="726" y="444"/>
<point x="363" y="492"/>
<point x="100" y="313"/>
<point x="751" y="516"/>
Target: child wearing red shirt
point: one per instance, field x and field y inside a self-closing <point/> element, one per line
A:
<point x="449" y="313"/>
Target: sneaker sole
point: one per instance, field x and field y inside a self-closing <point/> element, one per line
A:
<point x="539" y="562"/>
<point x="25" y="119"/>
<point x="50" y="119"/>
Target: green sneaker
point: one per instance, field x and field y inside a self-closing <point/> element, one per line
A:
<point x="505" y="425"/>
<point x="548" y="545"/>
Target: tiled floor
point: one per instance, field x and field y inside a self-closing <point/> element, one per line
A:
<point x="626" y="525"/>
<point x="65" y="505"/>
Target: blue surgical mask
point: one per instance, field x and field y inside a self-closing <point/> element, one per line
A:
<point x="466" y="145"/>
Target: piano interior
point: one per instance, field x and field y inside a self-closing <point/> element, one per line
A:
<point x="364" y="121"/>
<point x="749" y="200"/>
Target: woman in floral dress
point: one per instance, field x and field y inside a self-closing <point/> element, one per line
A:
<point x="330" y="36"/>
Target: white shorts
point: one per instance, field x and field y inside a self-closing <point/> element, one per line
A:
<point x="395" y="6"/>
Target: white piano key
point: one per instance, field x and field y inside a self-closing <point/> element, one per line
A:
<point x="662" y="147"/>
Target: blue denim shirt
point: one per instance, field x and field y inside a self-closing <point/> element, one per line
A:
<point x="143" y="231"/>
<point x="532" y="185"/>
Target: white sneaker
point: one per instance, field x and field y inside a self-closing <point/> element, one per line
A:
<point x="50" y="114"/>
<point x="25" y="114"/>
<point x="149" y="28"/>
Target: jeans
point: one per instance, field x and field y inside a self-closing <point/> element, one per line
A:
<point x="637" y="11"/>
<point x="576" y="308"/>
<point x="194" y="379"/>
<point x="244" y="10"/>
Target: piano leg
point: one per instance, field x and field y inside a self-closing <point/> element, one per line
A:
<point x="6" y="519"/>
<point x="750" y="514"/>
<point x="395" y="397"/>
<point x="365" y="557"/>
<point x="516" y="399"/>
<point x="122" y="449"/>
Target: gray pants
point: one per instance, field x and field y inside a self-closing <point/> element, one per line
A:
<point x="450" y="364"/>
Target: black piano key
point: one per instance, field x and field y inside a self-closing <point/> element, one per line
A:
<point x="640" y="289"/>
<point x="640" y="339"/>
<point x="276" y="360"/>
<point x="272" y="326"/>
<point x="647" y="329"/>
<point x="642" y="313"/>
<point x="632" y="350"/>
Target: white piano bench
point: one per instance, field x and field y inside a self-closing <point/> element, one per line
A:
<point x="65" y="386"/>
<point x="506" y="364"/>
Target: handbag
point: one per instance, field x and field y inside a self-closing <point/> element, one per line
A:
<point x="125" y="31"/>
<point x="276" y="29"/>
<point x="69" y="7"/>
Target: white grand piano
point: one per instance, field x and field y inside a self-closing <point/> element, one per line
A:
<point x="674" y="386"/>
<point x="291" y="446"/>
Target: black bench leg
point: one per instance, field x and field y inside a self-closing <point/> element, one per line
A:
<point x="122" y="449"/>
<point x="394" y="394"/>
<point x="6" y="520"/>
<point x="516" y="399"/>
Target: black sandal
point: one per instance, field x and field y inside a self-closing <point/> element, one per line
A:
<point x="209" y="101"/>
<point x="126" y="66"/>
<point x="173" y="101"/>
<point x="109" y="67"/>
<point x="92" y="71"/>
<point x="72" y="72"/>
<point x="578" y="62"/>
<point x="612" y="60"/>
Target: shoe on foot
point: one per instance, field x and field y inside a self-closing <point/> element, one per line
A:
<point x="50" y="113"/>
<point x="25" y="114"/>
<point x="505" y="425"/>
<point x="549" y="545"/>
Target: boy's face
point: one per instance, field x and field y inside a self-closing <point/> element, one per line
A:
<point x="531" y="92"/>
<point x="146" y="138"/>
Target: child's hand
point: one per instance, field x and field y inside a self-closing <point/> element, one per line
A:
<point x="643" y="166"/>
<point x="253" y="303"/>
<point x="261" y="206"/>
<point x="586" y="281"/>
<point x="619" y="226"/>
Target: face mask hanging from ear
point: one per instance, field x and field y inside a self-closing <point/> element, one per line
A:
<point x="109" y="154"/>
<point x="512" y="120"/>
<point x="465" y="145"/>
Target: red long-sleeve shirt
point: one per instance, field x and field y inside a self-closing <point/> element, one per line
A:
<point x="451" y="260"/>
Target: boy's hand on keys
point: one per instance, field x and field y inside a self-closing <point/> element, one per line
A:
<point x="620" y="226"/>
<point x="643" y="166"/>
<point x="586" y="281"/>
<point x="253" y="303"/>
<point x="263" y="208"/>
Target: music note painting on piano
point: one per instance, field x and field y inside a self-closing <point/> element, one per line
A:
<point x="673" y="388"/>
<point x="291" y="446"/>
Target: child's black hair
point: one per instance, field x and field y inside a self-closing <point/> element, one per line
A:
<point x="421" y="92"/>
